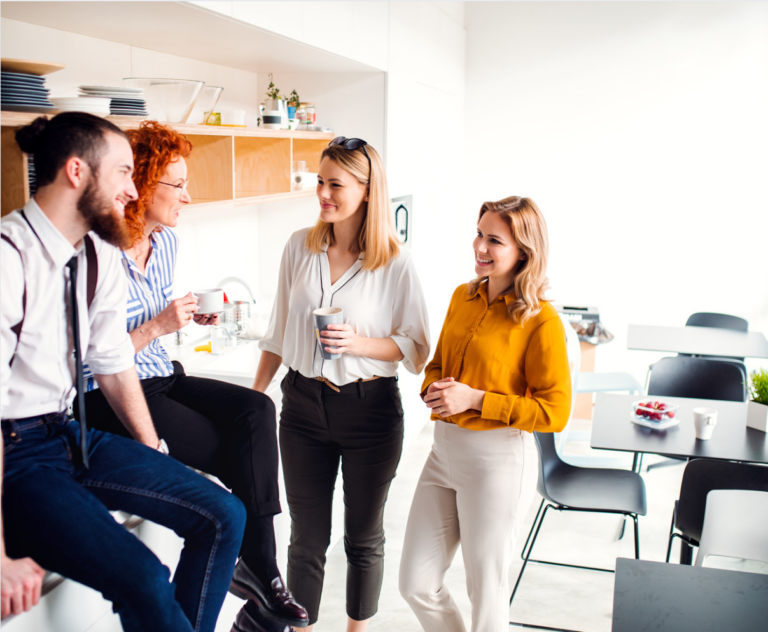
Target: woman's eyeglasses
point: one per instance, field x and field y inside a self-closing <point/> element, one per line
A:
<point x="351" y="144"/>
<point x="180" y="187"/>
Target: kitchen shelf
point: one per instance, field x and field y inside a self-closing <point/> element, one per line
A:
<point x="229" y="166"/>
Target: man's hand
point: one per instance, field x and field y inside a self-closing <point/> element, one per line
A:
<point x="448" y="397"/>
<point x="22" y="581"/>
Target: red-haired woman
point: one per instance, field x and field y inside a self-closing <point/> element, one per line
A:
<point x="216" y="427"/>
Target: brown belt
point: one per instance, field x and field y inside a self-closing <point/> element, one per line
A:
<point x="331" y="385"/>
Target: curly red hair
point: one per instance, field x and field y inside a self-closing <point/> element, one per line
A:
<point x="154" y="147"/>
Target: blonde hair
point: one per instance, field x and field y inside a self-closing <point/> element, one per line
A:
<point x="529" y="231"/>
<point x="377" y="236"/>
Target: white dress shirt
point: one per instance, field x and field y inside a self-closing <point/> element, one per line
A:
<point x="382" y="303"/>
<point x="42" y="379"/>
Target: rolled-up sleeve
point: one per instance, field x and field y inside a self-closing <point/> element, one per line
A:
<point x="110" y="349"/>
<point x="273" y="340"/>
<point x="410" y="323"/>
<point x="549" y="382"/>
<point x="11" y="291"/>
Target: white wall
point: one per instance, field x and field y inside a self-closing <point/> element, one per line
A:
<point x="640" y="129"/>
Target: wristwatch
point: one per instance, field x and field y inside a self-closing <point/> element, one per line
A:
<point x="163" y="447"/>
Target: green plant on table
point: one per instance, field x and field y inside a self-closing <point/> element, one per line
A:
<point x="758" y="388"/>
<point x="294" y="100"/>
<point x="272" y="92"/>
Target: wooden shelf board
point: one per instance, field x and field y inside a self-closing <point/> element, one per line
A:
<point x="245" y="198"/>
<point x="19" y="119"/>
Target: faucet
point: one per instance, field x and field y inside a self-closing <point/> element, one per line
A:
<point x="233" y="279"/>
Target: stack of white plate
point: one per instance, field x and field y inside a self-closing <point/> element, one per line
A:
<point x="91" y="105"/>
<point x="123" y="101"/>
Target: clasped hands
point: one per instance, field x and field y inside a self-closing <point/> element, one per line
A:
<point x="448" y="397"/>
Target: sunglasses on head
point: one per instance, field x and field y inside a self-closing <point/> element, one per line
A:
<point x="351" y="144"/>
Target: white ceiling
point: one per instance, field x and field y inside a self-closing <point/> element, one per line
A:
<point x="185" y="30"/>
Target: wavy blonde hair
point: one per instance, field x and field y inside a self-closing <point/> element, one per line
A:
<point x="377" y="237"/>
<point x="529" y="230"/>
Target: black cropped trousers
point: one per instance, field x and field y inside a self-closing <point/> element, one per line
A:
<point x="222" y="429"/>
<point x="360" y="427"/>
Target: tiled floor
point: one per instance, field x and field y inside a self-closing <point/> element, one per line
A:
<point x="552" y="596"/>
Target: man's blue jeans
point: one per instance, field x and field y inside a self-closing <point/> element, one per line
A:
<point x="57" y="512"/>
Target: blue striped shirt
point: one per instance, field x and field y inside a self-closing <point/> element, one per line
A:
<point x="148" y="295"/>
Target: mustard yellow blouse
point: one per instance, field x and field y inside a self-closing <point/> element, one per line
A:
<point x="522" y="368"/>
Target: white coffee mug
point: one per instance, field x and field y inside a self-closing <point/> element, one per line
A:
<point x="704" y="420"/>
<point x="210" y="301"/>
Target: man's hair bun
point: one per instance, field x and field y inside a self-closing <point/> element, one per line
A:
<point x="28" y="137"/>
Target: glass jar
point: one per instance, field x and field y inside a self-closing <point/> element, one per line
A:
<point x="311" y="118"/>
<point x="301" y="114"/>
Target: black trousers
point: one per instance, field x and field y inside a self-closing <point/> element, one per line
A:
<point x="363" y="428"/>
<point x="221" y="429"/>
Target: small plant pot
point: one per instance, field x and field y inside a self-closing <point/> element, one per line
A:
<point x="757" y="416"/>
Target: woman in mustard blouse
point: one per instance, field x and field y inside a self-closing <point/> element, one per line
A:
<point x="500" y="372"/>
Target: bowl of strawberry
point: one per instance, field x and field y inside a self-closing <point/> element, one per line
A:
<point x="651" y="410"/>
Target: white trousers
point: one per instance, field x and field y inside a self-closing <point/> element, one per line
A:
<point x="475" y="490"/>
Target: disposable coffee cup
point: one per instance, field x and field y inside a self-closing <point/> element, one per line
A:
<point x="209" y="301"/>
<point x="704" y="420"/>
<point x="323" y="317"/>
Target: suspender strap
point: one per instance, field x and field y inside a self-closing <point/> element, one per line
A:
<point x="93" y="268"/>
<point x="92" y="276"/>
<point x="16" y="329"/>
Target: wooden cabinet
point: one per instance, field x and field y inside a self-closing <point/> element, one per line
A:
<point x="228" y="166"/>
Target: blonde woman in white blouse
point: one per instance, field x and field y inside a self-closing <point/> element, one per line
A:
<point x="347" y="409"/>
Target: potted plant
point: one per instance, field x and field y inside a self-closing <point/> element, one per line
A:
<point x="757" y="407"/>
<point x="293" y="103"/>
<point x="274" y="99"/>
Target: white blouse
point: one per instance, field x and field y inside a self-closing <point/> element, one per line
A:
<point x="387" y="302"/>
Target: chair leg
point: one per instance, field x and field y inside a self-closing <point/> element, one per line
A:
<point x="528" y="554"/>
<point x="533" y="526"/>
<point x="671" y="532"/>
<point x="637" y="537"/>
<point x="686" y="553"/>
<point x="623" y="527"/>
<point x="673" y="460"/>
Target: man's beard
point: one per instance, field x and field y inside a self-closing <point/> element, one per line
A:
<point x="97" y="209"/>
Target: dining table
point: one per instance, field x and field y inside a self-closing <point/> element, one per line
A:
<point x="705" y="341"/>
<point x="732" y="440"/>
<point x="673" y="597"/>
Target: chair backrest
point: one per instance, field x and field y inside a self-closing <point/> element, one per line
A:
<point x="549" y="460"/>
<point x="720" y="321"/>
<point x="700" y="477"/>
<point x="734" y="525"/>
<point x="698" y="378"/>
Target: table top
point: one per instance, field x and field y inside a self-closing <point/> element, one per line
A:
<point x="674" y="597"/>
<point x="612" y="429"/>
<point x="698" y="341"/>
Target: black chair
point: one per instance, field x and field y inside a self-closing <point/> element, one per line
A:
<point x="566" y="487"/>
<point x="701" y="476"/>
<point x="720" y="321"/>
<point x="696" y="378"/>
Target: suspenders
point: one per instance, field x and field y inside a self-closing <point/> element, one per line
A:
<point x="92" y="273"/>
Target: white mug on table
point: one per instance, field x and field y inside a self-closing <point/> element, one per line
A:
<point x="704" y="420"/>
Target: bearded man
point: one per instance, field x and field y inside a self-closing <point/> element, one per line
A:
<point x="63" y="301"/>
